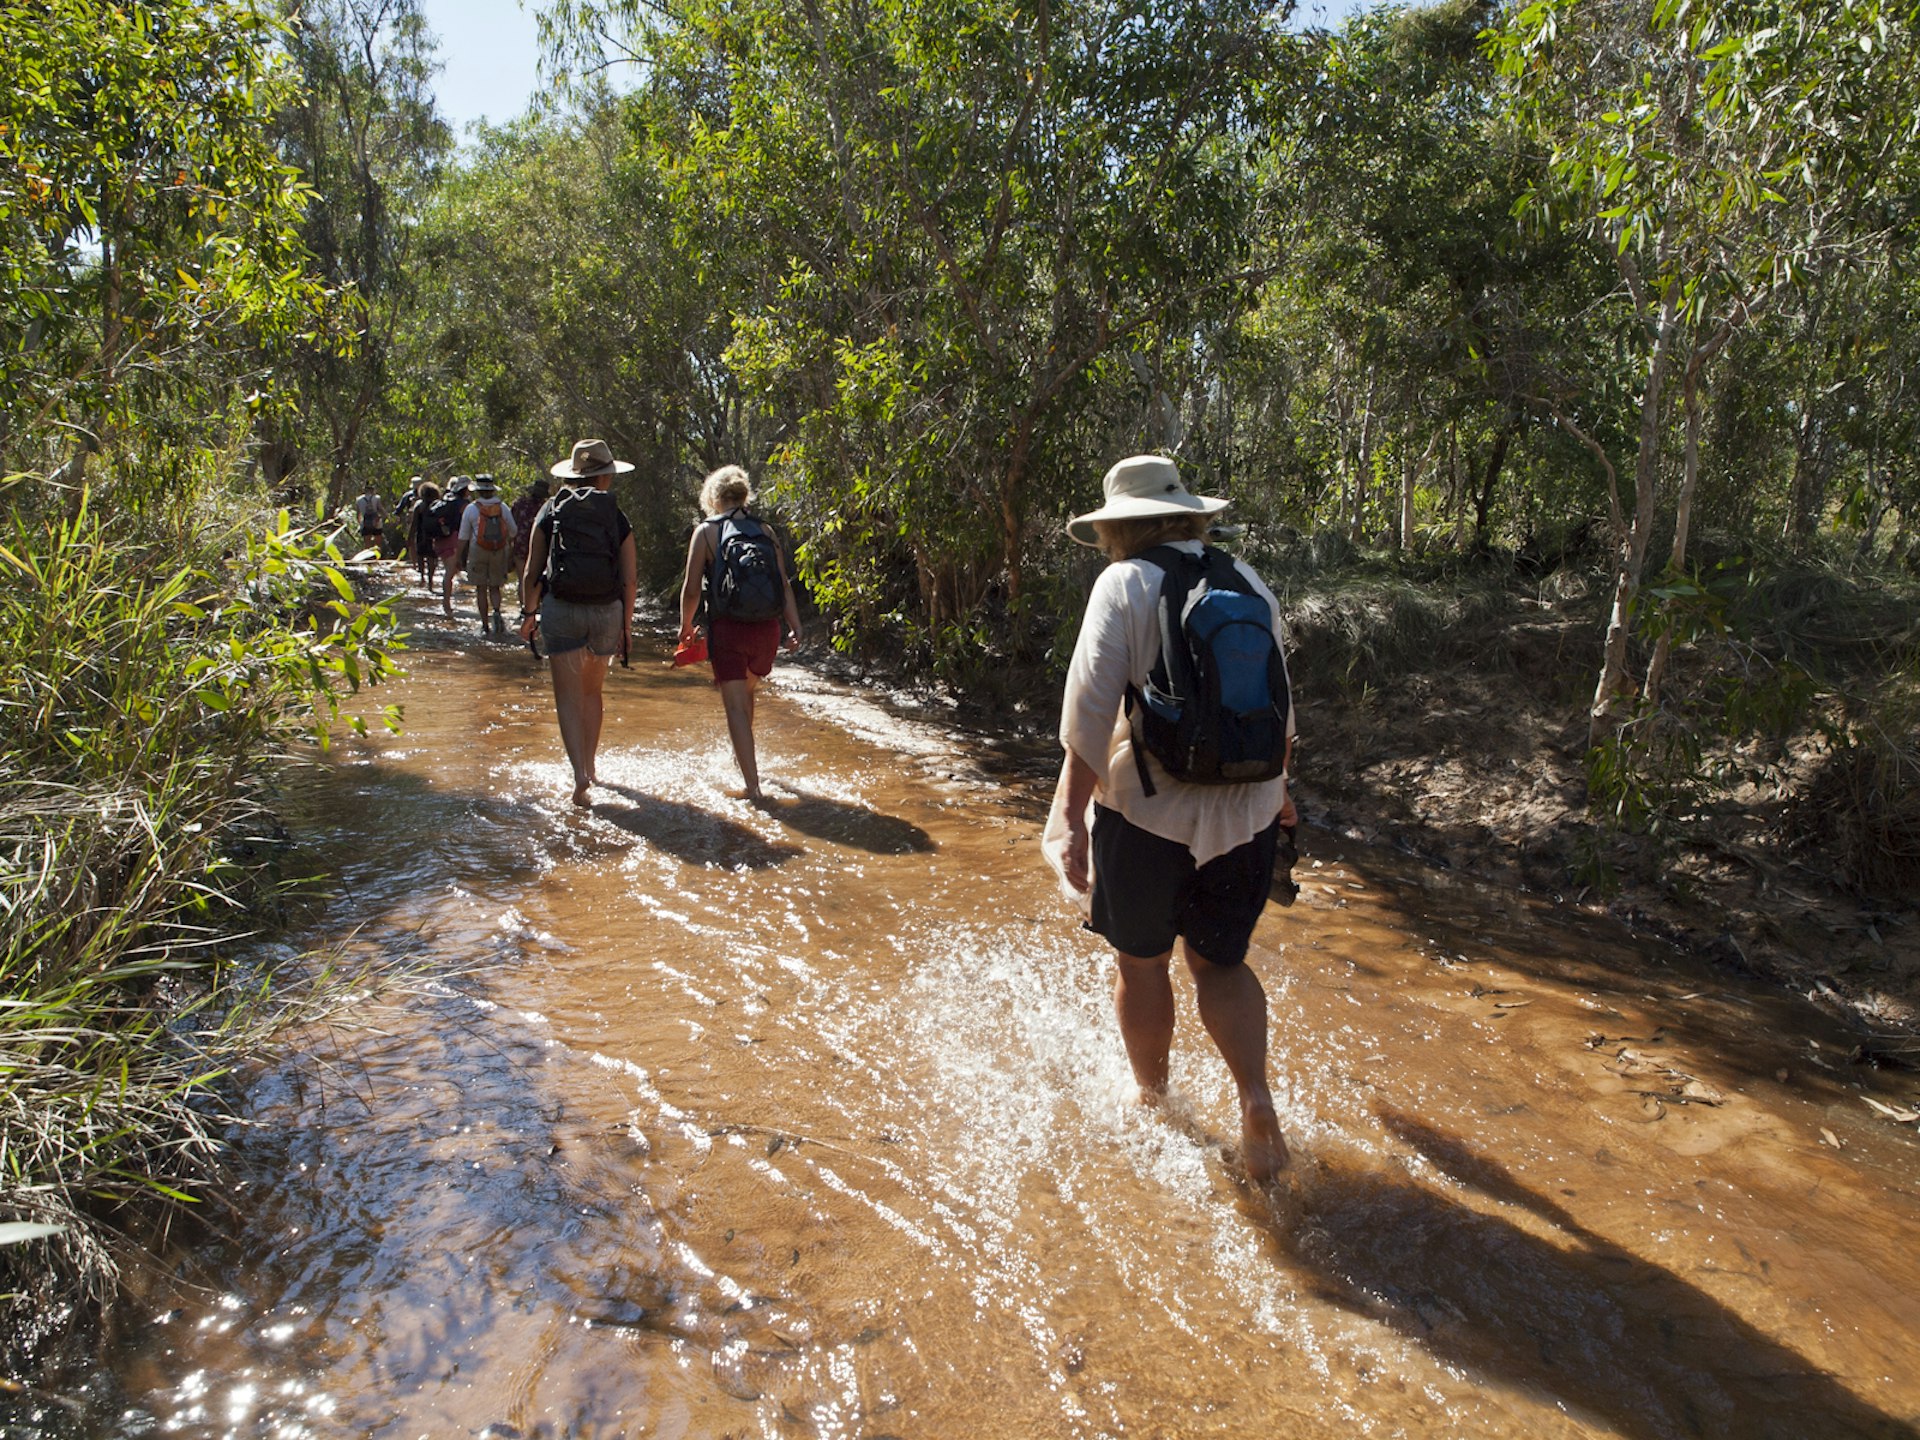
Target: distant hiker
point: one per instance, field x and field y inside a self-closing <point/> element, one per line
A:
<point x="579" y="585"/>
<point x="524" y="509"/>
<point x="444" y="525"/>
<point x="1177" y="734"/>
<point x="736" y="560"/>
<point x="421" y="536"/>
<point x="406" y="514"/>
<point x="486" y="550"/>
<point x="371" y="507"/>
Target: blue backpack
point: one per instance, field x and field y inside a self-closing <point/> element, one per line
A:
<point x="1214" y="710"/>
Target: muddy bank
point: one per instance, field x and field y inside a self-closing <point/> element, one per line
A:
<point x="1480" y="768"/>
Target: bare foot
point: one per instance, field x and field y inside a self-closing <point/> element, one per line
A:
<point x="1150" y="1095"/>
<point x="580" y="795"/>
<point x="1262" y="1146"/>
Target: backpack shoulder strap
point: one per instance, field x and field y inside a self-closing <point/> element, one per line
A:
<point x="1180" y="572"/>
<point x="1222" y="573"/>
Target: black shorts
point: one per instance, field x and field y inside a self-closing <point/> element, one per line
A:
<point x="1147" y="891"/>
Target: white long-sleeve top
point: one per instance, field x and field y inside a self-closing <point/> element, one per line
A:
<point x="1119" y="644"/>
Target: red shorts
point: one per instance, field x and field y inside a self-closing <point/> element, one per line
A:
<point x="737" y="646"/>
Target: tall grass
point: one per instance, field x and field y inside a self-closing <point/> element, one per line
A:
<point x="143" y="693"/>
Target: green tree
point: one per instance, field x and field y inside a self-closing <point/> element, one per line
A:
<point x="1723" y="154"/>
<point x="985" y="225"/>
<point x="147" y="220"/>
<point x="364" y="133"/>
<point x="1409" y="309"/>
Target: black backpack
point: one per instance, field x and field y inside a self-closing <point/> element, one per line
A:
<point x="743" y="582"/>
<point x="443" y="517"/>
<point x="583" y="559"/>
<point x="1214" y="710"/>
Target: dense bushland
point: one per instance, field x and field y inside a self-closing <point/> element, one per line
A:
<point x="166" y="632"/>
<point x="1605" y="308"/>
<point x="149" y="685"/>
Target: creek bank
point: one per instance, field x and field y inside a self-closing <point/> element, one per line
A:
<point x="1480" y="768"/>
<point x="1473" y="760"/>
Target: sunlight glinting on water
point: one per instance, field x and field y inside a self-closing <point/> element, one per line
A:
<point x="813" y="1121"/>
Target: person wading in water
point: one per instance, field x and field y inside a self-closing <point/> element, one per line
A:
<point x="736" y="561"/>
<point x="1163" y="859"/>
<point x="579" y="588"/>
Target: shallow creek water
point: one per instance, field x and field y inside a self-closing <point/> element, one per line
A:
<point x="713" y="1122"/>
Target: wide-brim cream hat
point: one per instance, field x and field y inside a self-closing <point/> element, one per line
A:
<point x="589" y="458"/>
<point x="1138" y="487"/>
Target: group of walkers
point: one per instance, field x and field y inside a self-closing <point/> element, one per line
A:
<point x="570" y="553"/>
<point x="1172" y="807"/>
<point x="467" y="528"/>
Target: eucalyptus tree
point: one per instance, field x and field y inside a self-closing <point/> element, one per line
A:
<point x="364" y="133"/>
<point x="1411" y="307"/>
<point x="966" y="223"/>
<point x="146" y="218"/>
<point x="1722" y="154"/>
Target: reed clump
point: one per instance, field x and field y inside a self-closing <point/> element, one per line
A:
<point x="144" y="691"/>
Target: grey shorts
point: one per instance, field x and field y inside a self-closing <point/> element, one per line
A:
<point x="566" y="626"/>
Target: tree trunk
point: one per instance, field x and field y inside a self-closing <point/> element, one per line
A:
<point x="1802" y="505"/>
<point x="1410" y="475"/>
<point x="1363" y="463"/>
<point x="1682" y="519"/>
<point x="1496" y="462"/>
<point x="1456" y="507"/>
<point x="1630" y="553"/>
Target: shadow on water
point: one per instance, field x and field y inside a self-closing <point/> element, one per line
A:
<point x="842" y="823"/>
<point x="1595" y="1328"/>
<point x="690" y="834"/>
<point x="452" y="1134"/>
<point x="1738" y="1031"/>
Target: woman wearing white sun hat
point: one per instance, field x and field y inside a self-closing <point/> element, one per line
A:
<point x="1158" y="859"/>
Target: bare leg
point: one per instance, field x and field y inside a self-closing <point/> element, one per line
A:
<point x="1233" y="1007"/>
<point x="1143" y="1004"/>
<point x="578" y="678"/>
<point x="446" y="591"/>
<point x="736" y="698"/>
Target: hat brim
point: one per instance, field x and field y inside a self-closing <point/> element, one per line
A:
<point x="565" y="471"/>
<point x="1144" y="507"/>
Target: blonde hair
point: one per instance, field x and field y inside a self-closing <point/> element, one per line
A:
<point x="1124" y="539"/>
<point x="725" y="489"/>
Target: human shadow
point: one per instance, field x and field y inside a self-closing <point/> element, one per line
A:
<point x="1589" y="1325"/>
<point x="842" y="823"/>
<point x="690" y="834"/>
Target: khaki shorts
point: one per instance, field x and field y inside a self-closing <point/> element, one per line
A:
<point x="489" y="568"/>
